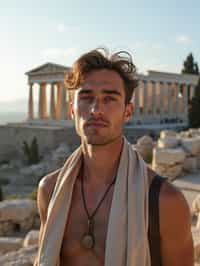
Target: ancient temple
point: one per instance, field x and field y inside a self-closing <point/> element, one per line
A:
<point x="52" y="75"/>
<point x="160" y="97"/>
<point x="163" y="98"/>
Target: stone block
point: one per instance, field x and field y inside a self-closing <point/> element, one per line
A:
<point x="191" y="145"/>
<point x="196" y="241"/>
<point x="194" y="132"/>
<point x="8" y="244"/>
<point x="167" y="133"/>
<point x="145" y="140"/>
<point x="168" y="156"/>
<point x="145" y="146"/>
<point x="6" y="228"/>
<point x="17" y="210"/>
<point x="22" y="257"/>
<point x="190" y="164"/>
<point x="196" y="204"/>
<point x="184" y="134"/>
<point x="171" y="172"/>
<point x="31" y="238"/>
<point x="168" y="142"/>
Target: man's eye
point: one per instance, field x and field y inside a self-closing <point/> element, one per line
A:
<point x="109" y="98"/>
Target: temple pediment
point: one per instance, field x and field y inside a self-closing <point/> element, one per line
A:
<point x="48" y="68"/>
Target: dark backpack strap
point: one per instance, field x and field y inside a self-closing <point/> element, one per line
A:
<point x="154" y="224"/>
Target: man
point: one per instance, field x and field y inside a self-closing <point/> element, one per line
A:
<point x="94" y="211"/>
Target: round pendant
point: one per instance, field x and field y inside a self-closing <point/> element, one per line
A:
<point x="87" y="241"/>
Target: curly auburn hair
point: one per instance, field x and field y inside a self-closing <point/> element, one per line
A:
<point x="97" y="59"/>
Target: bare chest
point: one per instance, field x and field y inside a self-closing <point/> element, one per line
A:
<point x="73" y="252"/>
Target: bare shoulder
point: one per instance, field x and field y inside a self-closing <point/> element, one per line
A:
<point x="48" y="181"/>
<point x="173" y="208"/>
<point x="175" y="227"/>
<point x="45" y="190"/>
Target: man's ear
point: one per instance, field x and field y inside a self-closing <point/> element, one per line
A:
<point x="128" y="112"/>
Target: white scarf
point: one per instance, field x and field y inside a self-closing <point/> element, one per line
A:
<point x="127" y="236"/>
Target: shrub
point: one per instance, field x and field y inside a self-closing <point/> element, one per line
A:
<point x="33" y="194"/>
<point x="1" y="194"/>
<point x="4" y="181"/>
<point x="13" y="197"/>
<point x="4" y="162"/>
<point x="31" y="152"/>
<point x="194" y="117"/>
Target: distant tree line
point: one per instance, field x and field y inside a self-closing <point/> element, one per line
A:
<point x="191" y="67"/>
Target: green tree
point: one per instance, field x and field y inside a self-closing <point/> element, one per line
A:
<point x="190" y="66"/>
<point x="194" y="108"/>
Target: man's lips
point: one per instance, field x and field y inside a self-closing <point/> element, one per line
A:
<point x="97" y="124"/>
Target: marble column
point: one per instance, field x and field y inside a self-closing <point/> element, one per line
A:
<point x="42" y="101"/>
<point x="59" y="100"/>
<point x="52" y="102"/>
<point x="161" y="100"/>
<point x="153" y="99"/>
<point x="176" y="101"/>
<point x="181" y="100"/>
<point x="30" y="103"/>
<point x="149" y="99"/>
<point x="63" y="104"/>
<point x="145" y="99"/>
<point x="166" y="99"/>
<point x="170" y="100"/>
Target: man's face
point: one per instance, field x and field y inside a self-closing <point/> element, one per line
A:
<point x="99" y="107"/>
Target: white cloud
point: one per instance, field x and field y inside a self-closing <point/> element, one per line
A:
<point x="183" y="38"/>
<point x="138" y="44"/>
<point x="56" y="53"/>
<point x="69" y="51"/>
<point x="155" y="64"/>
<point x="156" y="46"/>
<point x="147" y="45"/>
<point x="61" y="27"/>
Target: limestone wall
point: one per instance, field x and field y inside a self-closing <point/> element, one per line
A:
<point x="12" y="137"/>
<point x="49" y="137"/>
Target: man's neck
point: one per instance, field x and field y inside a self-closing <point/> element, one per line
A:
<point x="101" y="162"/>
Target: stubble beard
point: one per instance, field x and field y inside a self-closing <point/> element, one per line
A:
<point x="95" y="139"/>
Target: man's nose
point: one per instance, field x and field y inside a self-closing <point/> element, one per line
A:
<point x="96" y="107"/>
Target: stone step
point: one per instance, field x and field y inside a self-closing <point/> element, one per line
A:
<point x="188" y="182"/>
<point x="21" y="191"/>
<point x="8" y="244"/>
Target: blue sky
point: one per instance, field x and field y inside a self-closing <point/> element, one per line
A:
<point x="159" y="34"/>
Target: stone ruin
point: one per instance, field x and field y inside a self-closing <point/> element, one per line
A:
<point x="176" y="154"/>
<point x="172" y="155"/>
<point x="19" y="224"/>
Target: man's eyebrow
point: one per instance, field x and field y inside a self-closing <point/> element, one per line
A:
<point x="112" y="92"/>
<point x="106" y="91"/>
<point x="83" y="91"/>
